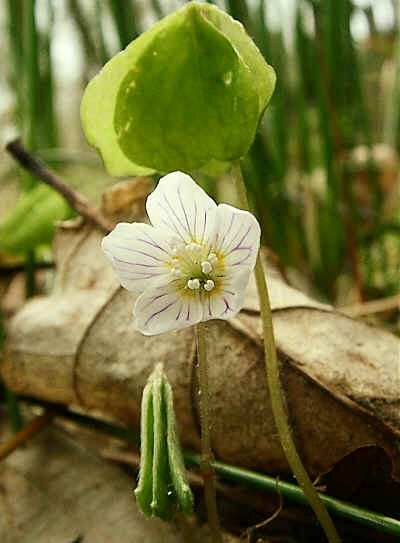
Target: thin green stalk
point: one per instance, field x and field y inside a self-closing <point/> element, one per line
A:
<point x="157" y="8"/>
<point x="30" y="114"/>
<point x="206" y="452"/>
<point x="125" y="21"/>
<point x="13" y="410"/>
<point x="30" y="269"/>
<point x="275" y="388"/>
<point x="368" y="518"/>
<point x="347" y="510"/>
<point x="101" y="42"/>
<point x="84" y="27"/>
<point x="31" y="72"/>
<point x="239" y="11"/>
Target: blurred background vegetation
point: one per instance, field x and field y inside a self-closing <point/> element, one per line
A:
<point x="323" y="172"/>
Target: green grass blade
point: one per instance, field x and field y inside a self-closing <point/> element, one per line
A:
<point x="125" y="21"/>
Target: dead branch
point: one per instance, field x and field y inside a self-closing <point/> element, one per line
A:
<point x="75" y="199"/>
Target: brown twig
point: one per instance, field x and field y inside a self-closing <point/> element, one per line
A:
<point x="28" y="431"/>
<point x="267" y="521"/>
<point x="75" y="199"/>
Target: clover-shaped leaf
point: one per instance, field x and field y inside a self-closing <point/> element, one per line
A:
<point x="188" y="94"/>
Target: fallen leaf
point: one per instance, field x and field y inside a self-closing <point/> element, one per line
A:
<point x="55" y="490"/>
<point x="78" y="346"/>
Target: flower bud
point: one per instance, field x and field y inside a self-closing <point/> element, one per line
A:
<point x="186" y="95"/>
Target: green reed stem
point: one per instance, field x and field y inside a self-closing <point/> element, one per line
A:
<point x="207" y="457"/>
<point x="124" y="17"/>
<point x="31" y="72"/>
<point x="275" y="388"/>
<point x="347" y="510"/>
<point x="13" y="410"/>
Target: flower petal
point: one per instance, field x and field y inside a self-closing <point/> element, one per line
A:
<point x="237" y="237"/>
<point x="228" y="300"/>
<point x="181" y="206"/>
<point x="140" y="254"/>
<point x="163" y="309"/>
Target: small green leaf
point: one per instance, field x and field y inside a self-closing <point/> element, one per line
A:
<point x="163" y="487"/>
<point x="176" y="463"/>
<point x="33" y="220"/>
<point x="144" y="489"/>
<point x="188" y="94"/>
<point x="163" y="502"/>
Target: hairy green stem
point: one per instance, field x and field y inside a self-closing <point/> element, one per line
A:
<point x="207" y="457"/>
<point x="275" y="388"/>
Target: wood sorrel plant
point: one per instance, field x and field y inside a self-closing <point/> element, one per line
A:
<point x="188" y="95"/>
<point x="192" y="264"/>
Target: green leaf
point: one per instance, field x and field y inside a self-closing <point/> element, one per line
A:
<point x="175" y="457"/>
<point x="187" y="94"/>
<point x="33" y="220"/>
<point x="163" y="502"/>
<point x="144" y="489"/>
<point x="163" y="486"/>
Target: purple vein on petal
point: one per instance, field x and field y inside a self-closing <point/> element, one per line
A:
<point x="153" y="243"/>
<point x="173" y="212"/>
<point x="234" y="237"/>
<point x="154" y="298"/>
<point x="188" y="311"/>
<point x="183" y="208"/>
<point x="227" y="306"/>
<point x="138" y="252"/>
<point x="195" y="218"/>
<point x="179" y="313"/>
<point x="229" y="292"/>
<point x="160" y="311"/>
<point x="139" y="273"/>
<point x="227" y="230"/>
<point x="205" y="223"/>
<point x="173" y="225"/>
<point x="243" y="260"/>
<point x="239" y="245"/>
<point x="135" y="263"/>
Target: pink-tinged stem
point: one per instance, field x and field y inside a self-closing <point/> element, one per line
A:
<point x="275" y="388"/>
<point x="207" y="456"/>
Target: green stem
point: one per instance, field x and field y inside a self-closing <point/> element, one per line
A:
<point x="207" y="457"/>
<point x="275" y="388"/>
<point x="30" y="279"/>
<point x="11" y="399"/>
<point x="13" y="410"/>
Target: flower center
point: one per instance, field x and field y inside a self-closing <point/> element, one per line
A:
<point x="195" y="267"/>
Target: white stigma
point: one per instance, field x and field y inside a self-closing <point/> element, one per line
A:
<point x="206" y="267"/>
<point x="196" y="247"/>
<point x="209" y="285"/>
<point x="193" y="284"/>
<point x="212" y="257"/>
<point x="175" y="272"/>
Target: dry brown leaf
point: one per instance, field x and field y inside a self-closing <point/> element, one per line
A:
<point x="54" y="490"/>
<point x="78" y="346"/>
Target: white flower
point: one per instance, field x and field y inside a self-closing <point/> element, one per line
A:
<point x="193" y="264"/>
